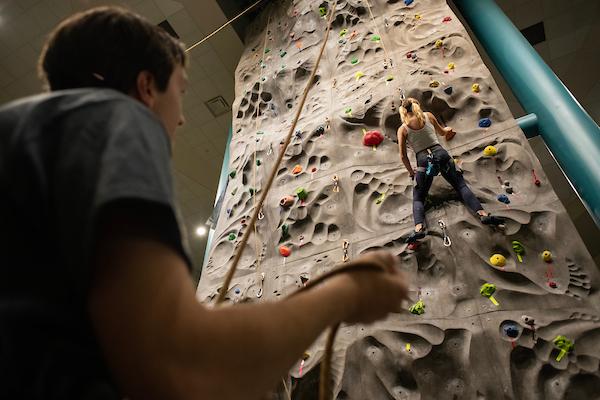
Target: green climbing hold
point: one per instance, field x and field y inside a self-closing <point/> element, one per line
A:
<point x="389" y="78"/>
<point x="564" y="345"/>
<point x="234" y="191"/>
<point x="251" y="190"/>
<point x="418" y="308"/>
<point x="375" y="38"/>
<point x="232" y="174"/>
<point x="282" y="54"/>
<point x="301" y="193"/>
<point x="285" y="232"/>
<point x="322" y="11"/>
<point x="519" y="249"/>
<point x="267" y="50"/>
<point x="232" y="236"/>
<point x="354" y="61"/>
<point x="488" y="290"/>
<point x="260" y="133"/>
<point x="343" y="32"/>
<point x="348" y="111"/>
<point x="258" y="162"/>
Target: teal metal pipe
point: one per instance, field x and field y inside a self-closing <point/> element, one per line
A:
<point x="529" y="124"/>
<point x="569" y="132"/>
<point x="223" y="178"/>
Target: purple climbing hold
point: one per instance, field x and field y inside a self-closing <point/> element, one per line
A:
<point x="408" y="2"/>
<point x="485" y="123"/>
<point x="503" y="198"/>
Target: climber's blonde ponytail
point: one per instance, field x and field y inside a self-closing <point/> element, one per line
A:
<point x="411" y="105"/>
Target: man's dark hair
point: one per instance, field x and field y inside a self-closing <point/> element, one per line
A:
<point x="108" y="47"/>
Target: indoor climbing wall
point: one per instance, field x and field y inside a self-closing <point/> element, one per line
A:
<point x="496" y="313"/>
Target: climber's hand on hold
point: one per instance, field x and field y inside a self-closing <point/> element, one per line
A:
<point x="374" y="291"/>
<point x="449" y="133"/>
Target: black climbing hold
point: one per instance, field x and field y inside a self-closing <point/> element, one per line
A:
<point x="320" y="130"/>
<point x="448" y="90"/>
<point x="232" y="174"/>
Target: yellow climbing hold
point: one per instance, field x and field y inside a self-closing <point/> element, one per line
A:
<point x="498" y="260"/>
<point x="490" y="151"/>
<point x="343" y="32"/>
<point x="418" y="16"/>
<point x="434" y="84"/>
<point x="547" y="256"/>
<point x="358" y="75"/>
<point x="407" y="347"/>
<point x="475" y="88"/>
<point x="451" y="65"/>
<point x="439" y="43"/>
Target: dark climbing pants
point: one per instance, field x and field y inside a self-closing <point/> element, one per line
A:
<point x="448" y="170"/>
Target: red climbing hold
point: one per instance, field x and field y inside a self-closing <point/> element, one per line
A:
<point x="285" y="251"/>
<point x="447" y="19"/>
<point x="372" y="138"/>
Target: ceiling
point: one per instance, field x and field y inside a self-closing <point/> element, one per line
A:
<point x="571" y="31"/>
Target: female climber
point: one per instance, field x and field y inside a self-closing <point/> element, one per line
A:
<point x="419" y="130"/>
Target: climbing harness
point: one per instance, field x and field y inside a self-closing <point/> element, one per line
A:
<point x="447" y="241"/>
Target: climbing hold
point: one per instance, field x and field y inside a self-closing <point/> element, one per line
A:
<point x="475" y="88"/>
<point x="498" y="260"/>
<point x="237" y="290"/>
<point x="251" y="191"/>
<point x="511" y="330"/>
<point x="488" y="290"/>
<point x="353" y="34"/>
<point x="439" y="43"/>
<point x="267" y="50"/>
<point x="372" y="138"/>
<point x="232" y="236"/>
<point x="564" y="345"/>
<point x="258" y="162"/>
<point x="301" y="193"/>
<point x="285" y="232"/>
<point x="285" y="251"/>
<point x="448" y="90"/>
<point x="519" y="249"/>
<point x="282" y="53"/>
<point x="343" y="32"/>
<point x="547" y="256"/>
<point x="320" y="130"/>
<point x="358" y="75"/>
<point x="502" y="198"/>
<point x="313" y="170"/>
<point x="434" y="84"/>
<point x="447" y="19"/>
<point x="297" y="169"/>
<point x="287" y="201"/>
<point x="408" y="2"/>
<point x="389" y="78"/>
<point x="451" y="66"/>
<point x="490" y="151"/>
<point x="380" y="199"/>
<point x="418" y="308"/>
<point x="409" y="55"/>
<point x="485" y="123"/>
<point x="418" y="16"/>
<point x="375" y="38"/>
<point x="354" y="61"/>
<point x="348" y="112"/>
<point x="536" y="181"/>
<point x="322" y="11"/>
<point x="232" y="174"/>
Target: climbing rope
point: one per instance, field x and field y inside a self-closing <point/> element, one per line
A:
<point x="219" y="29"/>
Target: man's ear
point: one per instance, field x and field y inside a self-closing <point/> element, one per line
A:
<point x="145" y="88"/>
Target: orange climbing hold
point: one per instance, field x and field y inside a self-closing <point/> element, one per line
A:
<point x="297" y="169"/>
<point x="285" y="251"/>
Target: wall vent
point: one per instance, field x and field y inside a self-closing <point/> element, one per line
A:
<point x="535" y="33"/>
<point x="217" y="106"/>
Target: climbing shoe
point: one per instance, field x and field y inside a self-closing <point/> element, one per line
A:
<point x="413" y="237"/>
<point x="491" y="220"/>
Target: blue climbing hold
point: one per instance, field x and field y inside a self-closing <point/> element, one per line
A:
<point x="503" y="198"/>
<point x="237" y="290"/>
<point x="511" y="331"/>
<point x="408" y="2"/>
<point x="485" y="123"/>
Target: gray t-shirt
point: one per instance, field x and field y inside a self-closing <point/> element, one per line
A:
<point x="64" y="156"/>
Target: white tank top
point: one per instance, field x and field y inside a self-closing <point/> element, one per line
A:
<point x="421" y="139"/>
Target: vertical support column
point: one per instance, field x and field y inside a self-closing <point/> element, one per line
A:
<point x="568" y="130"/>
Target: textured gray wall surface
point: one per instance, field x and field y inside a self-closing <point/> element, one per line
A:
<point x="463" y="346"/>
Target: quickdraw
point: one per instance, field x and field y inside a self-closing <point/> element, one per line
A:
<point x="447" y="241"/>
